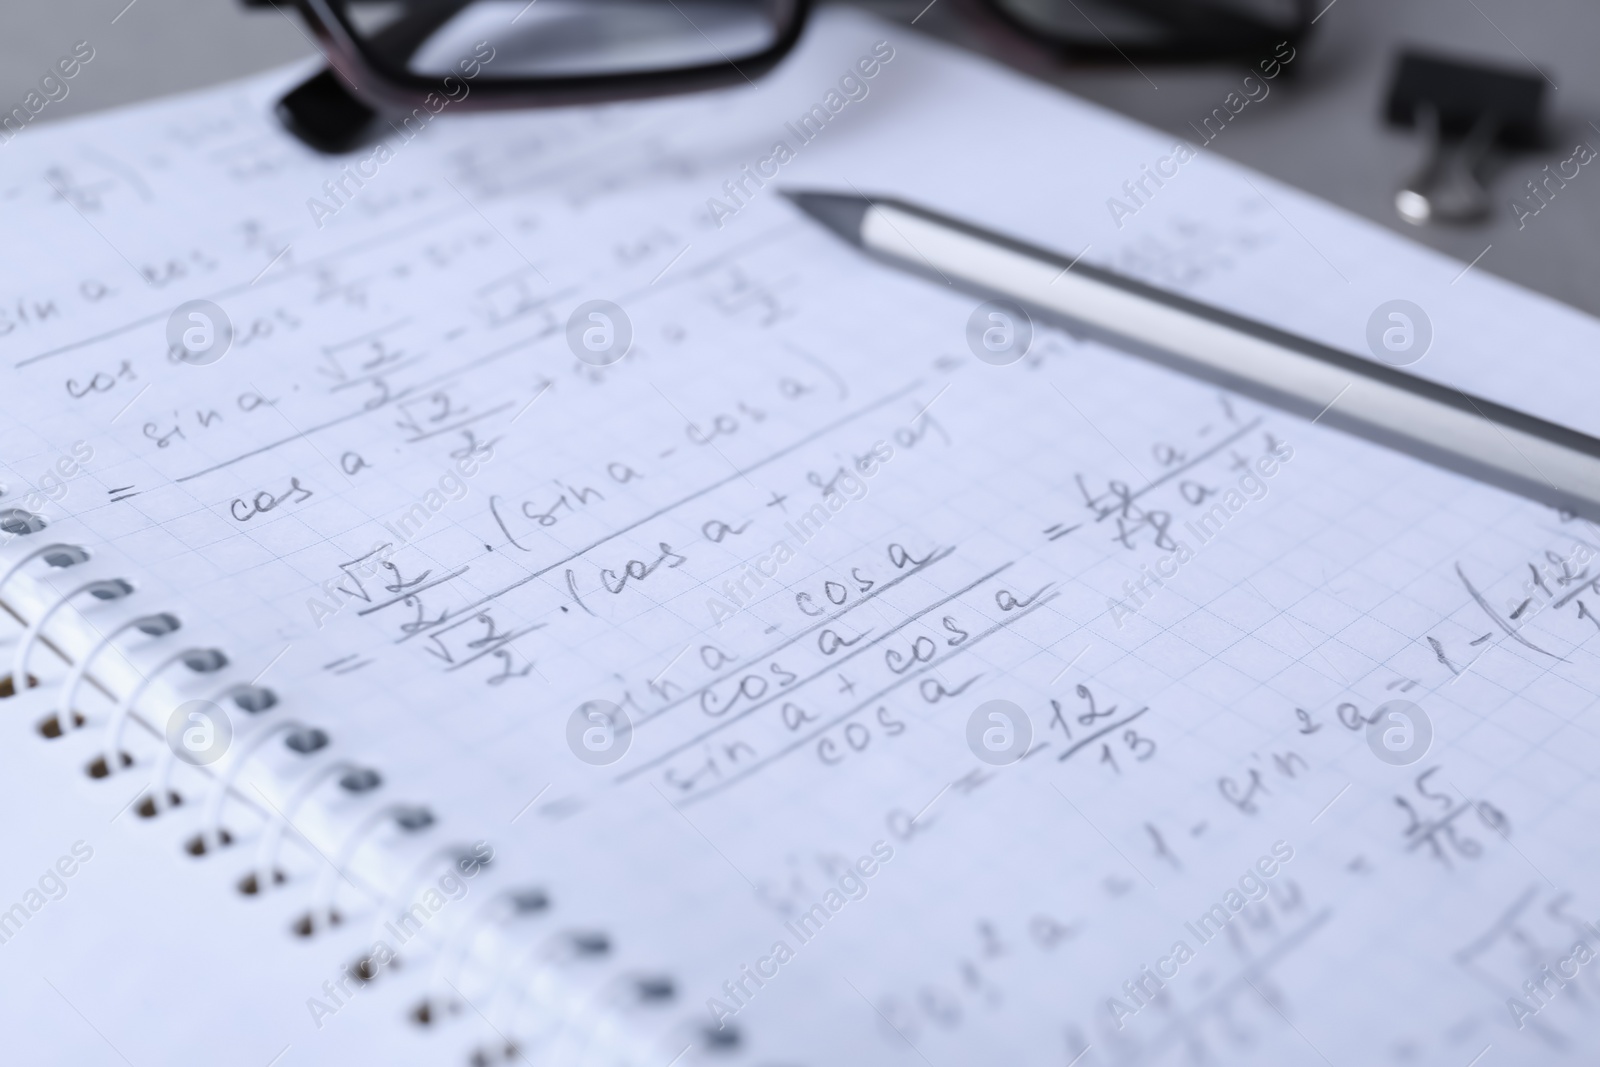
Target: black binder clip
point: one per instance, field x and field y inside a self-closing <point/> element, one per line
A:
<point x="1463" y="111"/>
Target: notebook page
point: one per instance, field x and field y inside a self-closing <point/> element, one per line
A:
<point x="798" y="712"/>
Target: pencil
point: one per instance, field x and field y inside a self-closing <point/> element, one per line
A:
<point x="1439" y="424"/>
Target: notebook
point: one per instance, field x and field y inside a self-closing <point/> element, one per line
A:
<point x="588" y="615"/>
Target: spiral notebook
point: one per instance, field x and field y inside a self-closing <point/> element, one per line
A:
<point x="446" y="675"/>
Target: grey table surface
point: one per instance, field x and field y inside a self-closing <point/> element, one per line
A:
<point x="1322" y="130"/>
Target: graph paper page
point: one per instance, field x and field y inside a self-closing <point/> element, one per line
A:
<point x="790" y="539"/>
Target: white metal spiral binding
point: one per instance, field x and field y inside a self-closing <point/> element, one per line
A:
<point x="266" y="865"/>
<point x="212" y="833"/>
<point x="100" y="588"/>
<point x="112" y="757"/>
<point x="66" y="555"/>
<point x="327" y="884"/>
<point x="451" y="959"/>
<point x="157" y="625"/>
<point x="161" y="794"/>
<point x="40" y="607"/>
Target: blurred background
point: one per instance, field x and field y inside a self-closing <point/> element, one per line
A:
<point x="1326" y="132"/>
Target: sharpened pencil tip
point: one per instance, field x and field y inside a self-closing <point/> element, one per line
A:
<point x="840" y="212"/>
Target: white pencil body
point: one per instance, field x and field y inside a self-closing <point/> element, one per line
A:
<point x="1511" y="450"/>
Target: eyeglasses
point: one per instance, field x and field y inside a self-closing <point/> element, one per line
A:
<point x="404" y="56"/>
<point x="399" y="57"/>
<point x="1164" y="30"/>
